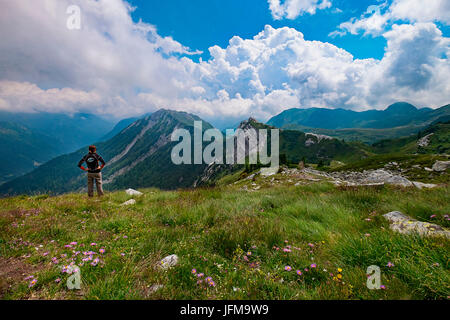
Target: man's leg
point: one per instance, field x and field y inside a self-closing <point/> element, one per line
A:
<point x="90" y="185"/>
<point x="98" y="183"/>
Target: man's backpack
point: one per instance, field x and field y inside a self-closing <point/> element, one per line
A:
<point x="92" y="161"/>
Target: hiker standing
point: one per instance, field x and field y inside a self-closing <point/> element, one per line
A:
<point x="94" y="169"/>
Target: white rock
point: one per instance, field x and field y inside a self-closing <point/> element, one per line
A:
<point x="155" y="288"/>
<point x="406" y="225"/>
<point x="441" y="165"/>
<point x="129" y="202"/>
<point x="421" y="185"/>
<point x="169" y="261"/>
<point x="133" y="192"/>
<point x="269" y="171"/>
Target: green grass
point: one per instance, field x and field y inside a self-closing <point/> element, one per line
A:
<point x="213" y="231"/>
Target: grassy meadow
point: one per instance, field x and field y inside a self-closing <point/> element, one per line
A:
<point x="312" y="241"/>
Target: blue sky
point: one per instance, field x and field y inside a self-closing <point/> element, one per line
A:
<point x="201" y="24"/>
<point x="260" y="57"/>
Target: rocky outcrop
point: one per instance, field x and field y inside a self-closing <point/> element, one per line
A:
<point x="315" y="138"/>
<point x="441" y="166"/>
<point x="424" y="141"/>
<point x="406" y="225"/>
<point x="370" y="177"/>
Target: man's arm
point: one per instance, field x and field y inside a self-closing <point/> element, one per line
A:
<point x="102" y="161"/>
<point x="80" y="164"/>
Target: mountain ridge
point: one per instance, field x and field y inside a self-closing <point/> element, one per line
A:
<point x="396" y="115"/>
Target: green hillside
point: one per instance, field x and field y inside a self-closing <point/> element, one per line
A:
<point x="298" y="146"/>
<point x="23" y="149"/>
<point x="436" y="140"/>
<point x="364" y="135"/>
<point x="294" y="145"/>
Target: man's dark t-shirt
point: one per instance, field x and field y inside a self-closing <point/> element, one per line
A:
<point x="92" y="160"/>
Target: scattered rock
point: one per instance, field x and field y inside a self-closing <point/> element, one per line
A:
<point x="370" y="178"/>
<point x="421" y="185"/>
<point x="155" y="288"/>
<point x="441" y="165"/>
<point x="129" y="202"/>
<point x="169" y="261"/>
<point x="406" y="225"/>
<point x="252" y="176"/>
<point x="269" y="171"/>
<point x="133" y="192"/>
<point x="428" y="169"/>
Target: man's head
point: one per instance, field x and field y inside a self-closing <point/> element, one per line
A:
<point x="92" y="149"/>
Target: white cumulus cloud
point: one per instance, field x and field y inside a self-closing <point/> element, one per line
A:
<point x="291" y="9"/>
<point x="379" y="17"/>
<point x="116" y="66"/>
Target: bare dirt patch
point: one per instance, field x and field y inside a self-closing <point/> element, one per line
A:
<point x="19" y="213"/>
<point x="14" y="271"/>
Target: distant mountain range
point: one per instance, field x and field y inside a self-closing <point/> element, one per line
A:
<point x="71" y="131"/>
<point x="399" y="119"/>
<point x="396" y="115"/>
<point x="30" y="139"/>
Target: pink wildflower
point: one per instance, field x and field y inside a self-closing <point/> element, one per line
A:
<point x="32" y="283"/>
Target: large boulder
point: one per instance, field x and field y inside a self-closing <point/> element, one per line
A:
<point x="381" y="175"/>
<point x="441" y="166"/>
<point x="403" y="224"/>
